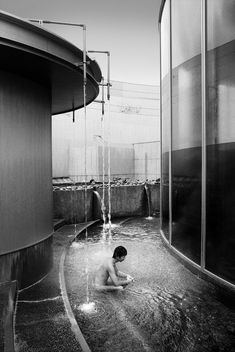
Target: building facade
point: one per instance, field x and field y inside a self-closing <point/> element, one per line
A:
<point x="130" y="126"/>
<point x="198" y="134"/>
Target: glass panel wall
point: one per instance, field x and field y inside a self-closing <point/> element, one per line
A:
<point x="165" y="87"/>
<point x="220" y="207"/>
<point x="182" y="132"/>
<point x="186" y="127"/>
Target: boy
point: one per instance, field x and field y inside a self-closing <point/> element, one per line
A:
<point x="108" y="277"/>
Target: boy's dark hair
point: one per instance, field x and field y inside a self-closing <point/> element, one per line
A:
<point x="119" y="251"/>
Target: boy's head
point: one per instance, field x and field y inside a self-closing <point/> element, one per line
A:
<point x="119" y="253"/>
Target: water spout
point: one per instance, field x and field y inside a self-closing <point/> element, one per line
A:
<point x="147" y="192"/>
<point x="98" y="206"/>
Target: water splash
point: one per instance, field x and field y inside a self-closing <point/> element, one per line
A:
<point x="149" y="200"/>
<point x="77" y="244"/>
<point x="107" y="226"/>
<point x="88" y="308"/>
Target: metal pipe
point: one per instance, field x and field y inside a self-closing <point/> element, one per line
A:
<point x="81" y="64"/>
<point x="84" y="63"/>
<point x="98" y="51"/>
<point x="99" y="101"/>
<point x="54" y="22"/>
<point x="109" y="157"/>
<point x="105" y="84"/>
<point x="84" y="56"/>
<point x="73" y="112"/>
<point x="102" y="97"/>
<point x="108" y="69"/>
<point x="108" y="80"/>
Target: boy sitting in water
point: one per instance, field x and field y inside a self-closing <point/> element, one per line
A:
<point x="108" y="277"/>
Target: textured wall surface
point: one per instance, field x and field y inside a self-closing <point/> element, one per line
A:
<point x="147" y="160"/>
<point x="25" y="163"/>
<point x="125" y="201"/>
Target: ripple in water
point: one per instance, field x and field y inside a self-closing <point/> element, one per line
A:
<point x="165" y="309"/>
<point x="93" y="309"/>
<point x="88" y="307"/>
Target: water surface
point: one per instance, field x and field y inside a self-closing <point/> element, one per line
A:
<point x="166" y="308"/>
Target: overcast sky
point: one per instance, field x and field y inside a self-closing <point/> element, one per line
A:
<point x="126" y="28"/>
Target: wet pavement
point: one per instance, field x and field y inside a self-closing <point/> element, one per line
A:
<point x="41" y="322"/>
<point x="166" y="309"/>
<point x="7" y="306"/>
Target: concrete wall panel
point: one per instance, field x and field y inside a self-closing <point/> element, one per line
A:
<point x="125" y="201"/>
<point x="25" y="163"/>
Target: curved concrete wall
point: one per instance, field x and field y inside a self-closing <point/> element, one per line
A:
<point x="39" y="54"/>
<point x="70" y="205"/>
<point x="39" y="76"/>
<point x="25" y="182"/>
<point x="25" y="163"/>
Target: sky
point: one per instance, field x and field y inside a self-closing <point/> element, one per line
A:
<point x="128" y="29"/>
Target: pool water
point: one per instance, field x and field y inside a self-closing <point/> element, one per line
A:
<point x="165" y="309"/>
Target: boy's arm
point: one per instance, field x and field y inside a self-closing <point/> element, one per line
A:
<point x="114" y="274"/>
<point x="123" y="275"/>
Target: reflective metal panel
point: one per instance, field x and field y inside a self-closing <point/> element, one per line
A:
<point x="186" y="127"/>
<point x="165" y="85"/>
<point x="220" y="207"/>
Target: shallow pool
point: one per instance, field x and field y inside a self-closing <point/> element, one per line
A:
<point x="166" y="308"/>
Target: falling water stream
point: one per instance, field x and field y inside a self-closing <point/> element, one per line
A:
<point x="85" y="174"/>
<point x="103" y="176"/>
<point x="109" y="175"/>
<point x="90" y="306"/>
<point x="149" y="202"/>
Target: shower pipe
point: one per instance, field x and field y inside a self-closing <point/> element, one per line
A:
<point x="83" y="344"/>
<point x="84" y="64"/>
<point x="108" y="85"/>
<point x="102" y="84"/>
<point x="41" y="22"/>
<point x="83" y="26"/>
<point x="108" y="69"/>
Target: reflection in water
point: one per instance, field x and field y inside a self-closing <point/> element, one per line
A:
<point x="165" y="309"/>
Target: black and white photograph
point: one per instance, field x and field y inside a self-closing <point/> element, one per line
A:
<point x="117" y="176"/>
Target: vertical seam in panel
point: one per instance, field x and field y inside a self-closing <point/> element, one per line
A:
<point x="204" y="115"/>
<point x="160" y="43"/>
<point x="170" y="141"/>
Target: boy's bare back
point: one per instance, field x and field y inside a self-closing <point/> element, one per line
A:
<point x="103" y="272"/>
<point x="108" y="277"/>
